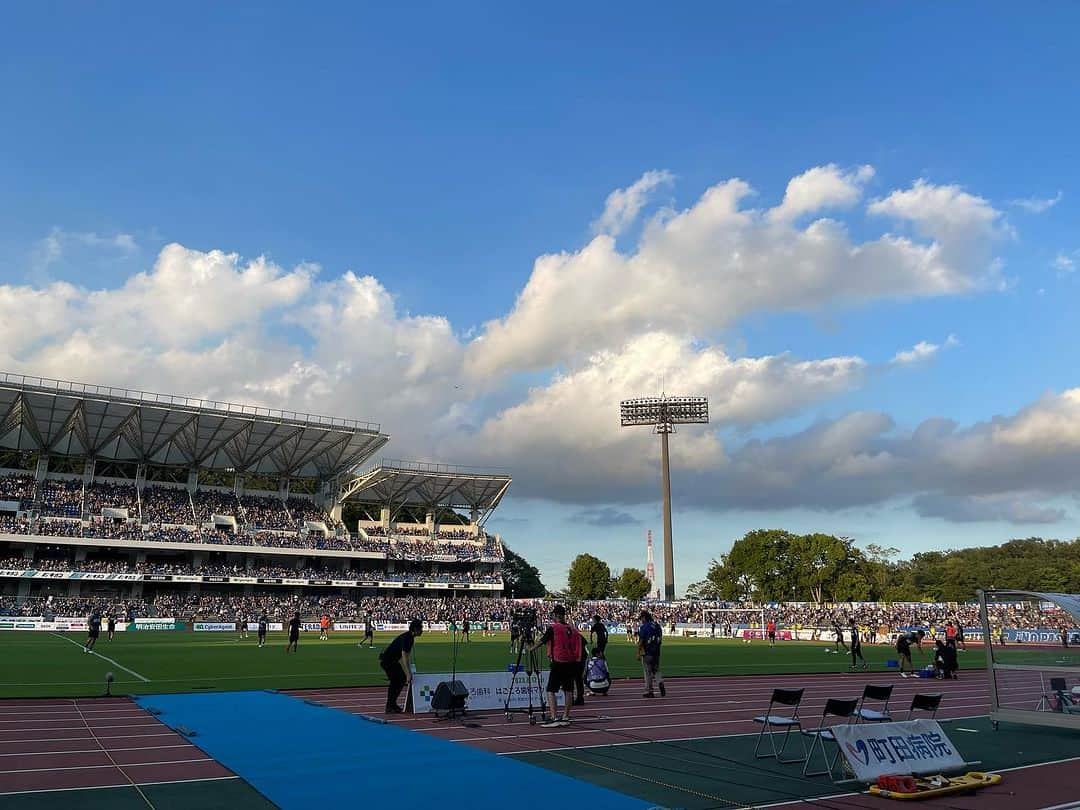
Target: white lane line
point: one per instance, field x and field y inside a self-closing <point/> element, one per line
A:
<point x="110" y="765"/>
<point x="94" y="750"/>
<point x="104" y="658"/>
<point x="118" y="785"/>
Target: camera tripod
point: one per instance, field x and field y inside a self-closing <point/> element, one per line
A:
<point x="532" y="679"/>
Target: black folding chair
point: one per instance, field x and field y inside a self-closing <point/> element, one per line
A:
<point x="878" y="694"/>
<point x="925" y="703"/>
<point x="834" y="707"/>
<point x="1051" y="700"/>
<point x="772" y="724"/>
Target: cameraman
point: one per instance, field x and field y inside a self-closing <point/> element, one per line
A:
<point x="564" y="645"/>
<point x="396" y="661"/>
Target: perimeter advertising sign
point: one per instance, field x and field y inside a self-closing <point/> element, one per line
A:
<point x="487" y="690"/>
<point x="908" y="748"/>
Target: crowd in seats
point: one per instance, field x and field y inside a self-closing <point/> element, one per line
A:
<point x="220" y="537"/>
<point x="454" y="534"/>
<point x="18" y="487"/>
<point x="58" y="527"/>
<point x="9" y="524"/>
<point x="375" y="531"/>
<point x="62" y="498"/>
<point x="210" y="502"/>
<point x="406" y="530"/>
<point x="279" y="540"/>
<point x="172" y="534"/>
<point x="265" y="513"/>
<point x="332" y="543"/>
<point x="112" y="530"/>
<point x="167" y="505"/>
<point x="100" y="495"/>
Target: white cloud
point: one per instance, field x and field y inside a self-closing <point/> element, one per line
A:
<point x="624" y="204"/>
<point x="698" y="270"/>
<point x="922" y="350"/>
<point x="1063" y="263"/>
<point x="1037" y="205"/>
<point x="54" y="246"/>
<point x="820" y="188"/>
<point x="1009" y="508"/>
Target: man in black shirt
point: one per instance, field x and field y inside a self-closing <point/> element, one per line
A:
<point x="112" y="625"/>
<point x="294" y="632"/>
<point x="396" y="661"/>
<point x="262" y="629"/>
<point x="598" y="635"/>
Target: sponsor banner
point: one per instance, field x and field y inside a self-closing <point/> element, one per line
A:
<point x="216" y="579"/>
<point x="185" y="578"/>
<point x="349" y="627"/>
<point x="390" y="584"/>
<point x="157" y="578"/>
<point x="345" y="583"/>
<point x="243" y="580"/>
<point x="156" y="624"/>
<point x="215" y="627"/>
<point x="1041" y="635"/>
<point x="11" y="572"/>
<point x="268" y="581"/>
<point x="273" y="627"/>
<point x="310" y="626"/>
<point x="294" y="582"/>
<point x="912" y="747"/>
<point x="783" y="635"/>
<point x="77" y="575"/>
<point x="487" y="690"/>
<point x="127" y="577"/>
<point x="368" y="584"/>
<point x="455" y="586"/>
<point x="318" y="582"/>
<point x="49" y="575"/>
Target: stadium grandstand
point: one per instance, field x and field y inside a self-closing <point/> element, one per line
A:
<point x="141" y="503"/>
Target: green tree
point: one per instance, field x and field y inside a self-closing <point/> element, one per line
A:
<point x="589" y="578"/>
<point x="520" y="578"/>
<point x="633" y="584"/>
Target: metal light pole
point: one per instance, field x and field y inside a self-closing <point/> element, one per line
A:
<point x="663" y="413"/>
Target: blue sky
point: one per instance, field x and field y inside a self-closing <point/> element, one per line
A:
<point x="441" y="150"/>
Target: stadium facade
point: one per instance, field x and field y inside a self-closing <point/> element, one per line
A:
<point x="133" y="497"/>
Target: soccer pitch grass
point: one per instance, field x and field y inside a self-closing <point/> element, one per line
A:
<point x="37" y="664"/>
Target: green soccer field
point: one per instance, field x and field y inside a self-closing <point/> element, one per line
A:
<point x="39" y="664"/>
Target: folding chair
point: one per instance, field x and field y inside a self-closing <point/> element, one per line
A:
<point x="880" y="694"/>
<point x="834" y="707"/>
<point x="925" y="703"/>
<point x="769" y="721"/>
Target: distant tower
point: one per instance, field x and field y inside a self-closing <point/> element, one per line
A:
<point x="650" y="569"/>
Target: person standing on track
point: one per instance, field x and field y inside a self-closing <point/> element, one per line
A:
<point x="564" y="648"/>
<point x="650" y="637"/>
<point x="262" y="629"/>
<point x="396" y="661"/>
<point x="903" y="653"/>
<point x="294" y="633"/>
<point x="369" y="632"/>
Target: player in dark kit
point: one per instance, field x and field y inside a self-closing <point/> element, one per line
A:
<point x="598" y="635"/>
<point x="856" y="649"/>
<point x="465" y="629"/>
<point x="93" y="630"/>
<point x="369" y="633"/>
<point x="294" y="632"/>
<point x="262" y="629"/>
<point x="111" y="626"/>
<point x="396" y="661"/>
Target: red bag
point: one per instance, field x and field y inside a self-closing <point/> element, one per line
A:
<point x="897" y="784"/>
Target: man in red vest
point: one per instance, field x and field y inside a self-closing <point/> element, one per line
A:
<point x="564" y="645"/>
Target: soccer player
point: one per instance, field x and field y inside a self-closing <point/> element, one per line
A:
<point x="93" y="630"/>
<point x="262" y="629"/>
<point x="838" y="633"/>
<point x="396" y="661"/>
<point x="241" y="627"/>
<point x="111" y="625"/>
<point x="369" y="633"/>
<point x="324" y="628"/>
<point x="856" y="648"/>
<point x="465" y="629"/>
<point x="770" y="630"/>
<point x="294" y="633"/>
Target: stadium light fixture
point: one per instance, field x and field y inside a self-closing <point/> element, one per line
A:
<point x="662" y="414"/>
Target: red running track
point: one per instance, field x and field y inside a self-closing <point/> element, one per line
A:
<point x="93" y="743"/>
<point x="695" y="708"/>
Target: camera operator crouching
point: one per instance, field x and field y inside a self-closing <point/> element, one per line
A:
<point x="565" y="646"/>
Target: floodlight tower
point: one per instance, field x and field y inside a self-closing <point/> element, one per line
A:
<point x="663" y="413"/>
<point x="650" y="568"/>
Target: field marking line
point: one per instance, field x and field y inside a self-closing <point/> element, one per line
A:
<point x="103" y="657"/>
<point x="113" y="737"/>
<point x="114" y="765"/>
<point x="120" y="785"/>
<point x="94" y="750"/>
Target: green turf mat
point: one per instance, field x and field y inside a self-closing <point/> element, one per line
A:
<point x="709" y="773"/>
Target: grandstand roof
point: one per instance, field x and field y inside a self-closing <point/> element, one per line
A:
<point x="116" y="424"/>
<point x="397" y="483"/>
